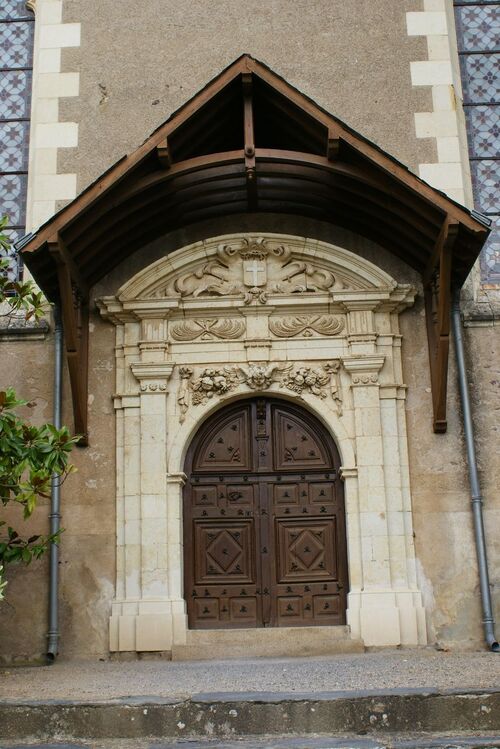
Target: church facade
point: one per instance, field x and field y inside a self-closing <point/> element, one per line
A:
<point x="256" y="303"/>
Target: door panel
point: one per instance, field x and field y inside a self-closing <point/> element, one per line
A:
<point x="228" y="444"/>
<point x="264" y="539"/>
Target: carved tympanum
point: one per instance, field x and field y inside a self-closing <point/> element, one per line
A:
<point x="306" y="325"/>
<point x="252" y="269"/>
<point x="189" y="330"/>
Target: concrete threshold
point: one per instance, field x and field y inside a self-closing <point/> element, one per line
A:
<point x="228" y="716"/>
<point x="262" y="642"/>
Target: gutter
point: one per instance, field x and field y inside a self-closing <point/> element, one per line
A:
<point x="55" y="498"/>
<point x="475" y="489"/>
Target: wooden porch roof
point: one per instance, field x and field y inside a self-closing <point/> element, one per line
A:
<point x="251" y="142"/>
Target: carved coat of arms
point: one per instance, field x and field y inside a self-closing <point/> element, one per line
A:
<point x="252" y="269"/>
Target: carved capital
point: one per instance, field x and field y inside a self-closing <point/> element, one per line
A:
<point x="364" y="370"/>
<point x="176" y="478"/>
<point x="153" y="378"/>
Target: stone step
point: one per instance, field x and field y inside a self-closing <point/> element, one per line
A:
<point x="225" y="717"/>
<point x="266" y="642"/>
<point x="422" y="741"/>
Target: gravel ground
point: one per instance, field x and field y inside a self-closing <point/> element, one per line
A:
<point x="387" y="669"/>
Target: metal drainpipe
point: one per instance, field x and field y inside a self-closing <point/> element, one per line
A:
<point x="55" y="499"/>
<point x="475" y="489"/>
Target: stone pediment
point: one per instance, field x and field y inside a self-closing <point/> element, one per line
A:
<point x="251" y="268"/>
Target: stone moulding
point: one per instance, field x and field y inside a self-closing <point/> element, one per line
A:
<point x="306" y="325"/>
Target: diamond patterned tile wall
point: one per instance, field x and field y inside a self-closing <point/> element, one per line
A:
<point x="481" y="77"/>
<point x="478" y="36"/>
<point x="478" y="27"/>
<point x="16" y="60"/>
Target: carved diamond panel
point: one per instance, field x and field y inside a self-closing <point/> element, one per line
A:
<point x="223" y="552"/>
<point x="307" y="550"/>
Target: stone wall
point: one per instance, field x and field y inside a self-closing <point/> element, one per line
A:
<point x="446" y="565"/>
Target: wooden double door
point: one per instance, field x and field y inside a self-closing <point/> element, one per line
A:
<point x="264" y="525"/>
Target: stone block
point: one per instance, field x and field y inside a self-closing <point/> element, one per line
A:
<point x="59" y="35"/>
<point x="52" y="134"/>
<point x="49" y="12"/>
<point x="426" y="23"/>
<point x="49" y="61"/>
<point x="55" y="186"/>
<point x="431" y="72"/>
<point x="126" y="633"/>
<point x="436" y="124"/>
<point x="442" y="176"/>
<point x="58" y="84"/>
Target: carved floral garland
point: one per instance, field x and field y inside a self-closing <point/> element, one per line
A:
<point x="214" y="382"/>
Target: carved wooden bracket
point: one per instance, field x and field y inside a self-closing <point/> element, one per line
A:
<point x="437" y="293"/>
<point x="74" y="299"/>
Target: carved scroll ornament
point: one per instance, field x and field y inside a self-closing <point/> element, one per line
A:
<point x="190" y="330"/>
<point x="252" y="270"/>
<point x="306" y="325"/>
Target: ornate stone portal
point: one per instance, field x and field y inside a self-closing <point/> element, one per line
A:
<point x="236" y="316"/>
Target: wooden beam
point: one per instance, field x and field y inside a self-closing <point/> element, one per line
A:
<point x="437" y="292"/>
<point x="163" y="154"/>
<point x="249" y="141"/>
<point x="74" y="313"/>
<point x="448" y="228"/>
<point x="333" y="147"/>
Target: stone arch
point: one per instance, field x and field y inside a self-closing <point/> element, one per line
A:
<point x="323" y="412"/>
